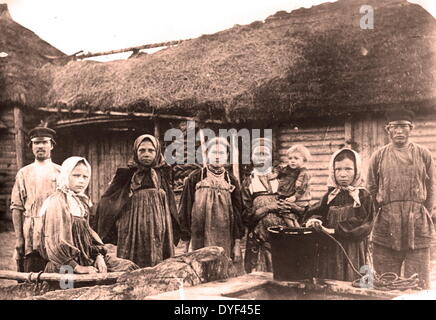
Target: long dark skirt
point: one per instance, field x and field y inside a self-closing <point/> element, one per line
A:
<point x="332" y="263"/>
<point x="145" y="233"/>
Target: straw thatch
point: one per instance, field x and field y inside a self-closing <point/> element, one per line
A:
<point x="315" y="61"/>
<point x="26" y="54"/>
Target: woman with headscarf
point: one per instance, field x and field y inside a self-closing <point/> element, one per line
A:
<point x="210" y="206"/>
<point x="261" y="207"/>
<point x="346" y="211"/>
<point x="138" y="211"/>
<point x="67" y="238"/>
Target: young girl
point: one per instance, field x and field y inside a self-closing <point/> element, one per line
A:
<point x="346" y="211"/>
<point x="67" y="237"/>
<point x="211" y="204"/>
<point x="138" y="211"/>
<point x="294" y="179"/>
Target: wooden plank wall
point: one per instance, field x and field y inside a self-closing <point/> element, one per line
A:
<point x="424" y="134"/>
<point x="322" y="141"/>
<point x="105" y="150"/>
<point x="369" y="135"/>
<point x="8" y="162"/>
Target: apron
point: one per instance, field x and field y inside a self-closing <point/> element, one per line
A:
<point x="212" y="213"/>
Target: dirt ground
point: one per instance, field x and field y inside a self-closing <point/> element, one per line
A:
<point x="7" y="243"/>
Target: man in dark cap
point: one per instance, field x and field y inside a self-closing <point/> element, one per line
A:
<point x="400" y="179"/>
<point x="33" y="184"/>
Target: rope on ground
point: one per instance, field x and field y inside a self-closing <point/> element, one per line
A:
<point x="385" y="282"/>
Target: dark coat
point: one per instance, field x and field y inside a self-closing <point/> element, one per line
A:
<point x="117" y="196"/>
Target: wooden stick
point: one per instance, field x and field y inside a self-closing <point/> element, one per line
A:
<point x="118" y="113"/>
<point x="156" y="123"/>
<point x="145" y="46"/>
<point x="235" y="156"/>
<point x="203" y="147"/>
<point x="19" y="137"/>
<point x="33" y="276"/>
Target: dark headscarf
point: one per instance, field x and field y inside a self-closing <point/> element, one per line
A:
<point x="143" y="173"/>
<point x="158" y="161"/>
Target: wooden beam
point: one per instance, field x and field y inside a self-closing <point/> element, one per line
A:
<point x="157" y="128"/>
<point x="348" y="132"/>
<point x="33" y="276"/>
<point x="145" y="46"/>
<point x="126" y="114"/>
<point x="203" y="147"/>
<point x="89" y="121"/>
<point x="235" y="156"/>
<point x="19" y="137"/>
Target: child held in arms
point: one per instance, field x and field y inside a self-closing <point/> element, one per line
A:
<point x="294" y="182"/>
<point x="346" y="212"/>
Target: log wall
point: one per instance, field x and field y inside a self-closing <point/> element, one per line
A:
<point x="8" y="162"/>
<point x="322" y="141"/>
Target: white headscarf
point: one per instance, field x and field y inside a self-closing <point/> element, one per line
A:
<point x="74" y="200"/>
<point x="67" y="167"/>
<point x="354" y="187"/>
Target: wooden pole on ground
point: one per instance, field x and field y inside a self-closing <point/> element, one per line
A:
<point x="33" y="276"/>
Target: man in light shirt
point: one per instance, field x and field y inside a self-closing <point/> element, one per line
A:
<point x="33" y="184"/>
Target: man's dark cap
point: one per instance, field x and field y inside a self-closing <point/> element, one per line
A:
<point x="400" y="114"/>
<point x="42" y="132"/>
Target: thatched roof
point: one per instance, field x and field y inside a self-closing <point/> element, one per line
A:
<point x="26" y="54"/>
<point x="315" y="61"/>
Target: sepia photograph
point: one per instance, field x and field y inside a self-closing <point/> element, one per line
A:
<point x="237" y="152"/>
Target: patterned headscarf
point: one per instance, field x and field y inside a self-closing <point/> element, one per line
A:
<point x="354" y="187"/>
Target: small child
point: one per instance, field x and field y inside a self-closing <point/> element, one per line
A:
<point x="294" y="179"/>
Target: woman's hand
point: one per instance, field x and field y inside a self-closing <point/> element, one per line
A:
<point x="100" y="264"/>
<point x="313" y="222"/>
<point x="328" y="230"/>
<point x="291" y="199"/>
<point x="289" y="206"/>
<point x="84" y="270"/>
<point x="237" y="253"/>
